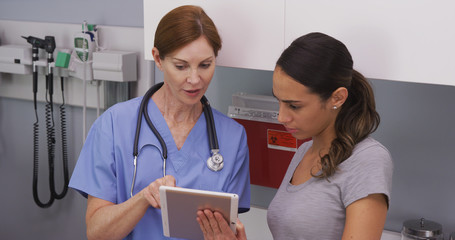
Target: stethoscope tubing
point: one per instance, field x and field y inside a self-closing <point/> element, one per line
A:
<point x="211" y="131"/>
<point x="143" y="110"/>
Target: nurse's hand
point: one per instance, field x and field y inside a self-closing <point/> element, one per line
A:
<point x="152" y="191"/>
<point x="215" y="227"/>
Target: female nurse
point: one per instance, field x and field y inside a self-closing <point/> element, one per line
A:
<point x="337" y="185"/>
<point x="123" y="200"/>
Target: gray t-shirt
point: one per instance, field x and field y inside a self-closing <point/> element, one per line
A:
<point x="316" y="209"/>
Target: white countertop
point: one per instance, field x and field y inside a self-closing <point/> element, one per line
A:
<point x="389" y="235"/>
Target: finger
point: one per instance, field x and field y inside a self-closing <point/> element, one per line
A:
<point x="155" y="187"/>
<point x="207" y="227"/>
<point x="152" y="193"/>
<point x="168" y="180"/>
<point x="149" y="197"/>
<point x="224" y="225"/>
<point x="203" y="223"/>
<point x="156" y="197"/>
<point x="213" y="221"/>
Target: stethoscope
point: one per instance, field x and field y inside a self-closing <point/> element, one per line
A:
<point x="214" y="163"/>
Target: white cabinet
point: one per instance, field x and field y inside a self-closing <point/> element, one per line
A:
<point x="407" y="40"/>
<point x="252" y="31"/>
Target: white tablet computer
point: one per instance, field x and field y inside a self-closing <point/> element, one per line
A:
<point x="179" y="208"/>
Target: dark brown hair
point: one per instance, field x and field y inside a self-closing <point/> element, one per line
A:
<point x="182" y="26"/>
<point x="323" y="64"/>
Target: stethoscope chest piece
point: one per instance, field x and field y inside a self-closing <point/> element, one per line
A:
<point x="215" y="162"/>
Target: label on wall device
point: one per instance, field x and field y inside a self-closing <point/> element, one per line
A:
<point x="281" y="140"/>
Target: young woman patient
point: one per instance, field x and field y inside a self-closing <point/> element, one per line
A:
<point x="337" y="185"/>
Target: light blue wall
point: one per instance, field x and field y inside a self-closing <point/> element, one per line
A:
<point x="102" y="12"/>
<point x="417" y="127"/>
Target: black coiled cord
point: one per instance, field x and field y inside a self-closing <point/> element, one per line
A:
<point x="36" y="165"/>
<point x="64" y="147"/>
<point x="50" y="127"/>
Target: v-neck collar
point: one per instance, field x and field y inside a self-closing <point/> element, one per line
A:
<point x="179" y="157"/>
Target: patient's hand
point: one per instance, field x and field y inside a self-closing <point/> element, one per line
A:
<point x="215" y="227"/>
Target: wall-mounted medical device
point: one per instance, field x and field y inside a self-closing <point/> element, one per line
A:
<point x="117" y="66"/>
<point x="16" y="59"/>
<point x="41" y="57"/>
<point x="85" y="42"/>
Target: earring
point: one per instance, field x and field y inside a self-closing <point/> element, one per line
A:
<point x="334" y="107"/>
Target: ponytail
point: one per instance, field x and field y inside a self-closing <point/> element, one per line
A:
<point x="356" y="120"/>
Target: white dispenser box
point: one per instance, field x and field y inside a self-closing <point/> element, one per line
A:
<point x="16" y="59"/>
<point x="117" y="66"/>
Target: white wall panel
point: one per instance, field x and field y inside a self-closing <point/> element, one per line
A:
<point x="252" y="31"/>
<point x="408" y="40"/>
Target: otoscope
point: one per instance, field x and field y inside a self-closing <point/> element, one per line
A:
<point x="36" y="44"/>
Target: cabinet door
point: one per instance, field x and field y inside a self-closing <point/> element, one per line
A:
<point x="407" y="40"/>
<point x="252" y="31"/>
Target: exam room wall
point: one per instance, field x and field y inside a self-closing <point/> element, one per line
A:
<point x="21" y="217"/>
<point x="417" y="126"/>
<point x="65" y="219"/>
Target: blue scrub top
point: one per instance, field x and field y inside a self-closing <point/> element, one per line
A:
<point x="105" y="165"/>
